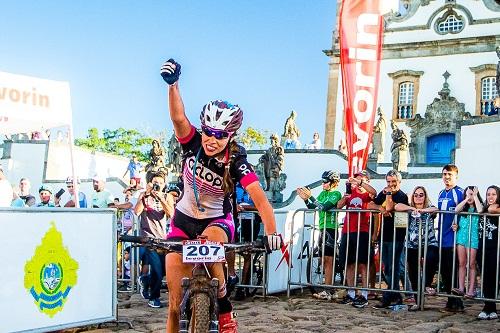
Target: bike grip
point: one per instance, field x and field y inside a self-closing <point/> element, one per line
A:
<point x="266" y="245"/>
<point x="133" y="239"/>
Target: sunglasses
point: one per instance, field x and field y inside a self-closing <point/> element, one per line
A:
<point x="419" y="195"/>
<point x="325" y="181"/>
<point x="69" y="186"/>
<point x="218" y="134"/>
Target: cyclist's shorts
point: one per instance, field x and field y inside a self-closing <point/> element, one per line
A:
<point x="330" y="241"/>
<point x="183" y="227"/>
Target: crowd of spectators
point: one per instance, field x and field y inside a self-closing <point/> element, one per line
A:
<point x="448" y="238"/>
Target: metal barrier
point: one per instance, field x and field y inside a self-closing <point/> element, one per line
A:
<point x="127" y="223"/>
<point x="251" y="268"/>
<point x="419" y="255"/>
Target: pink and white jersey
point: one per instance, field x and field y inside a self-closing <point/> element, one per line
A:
<point x="208" y="175"/>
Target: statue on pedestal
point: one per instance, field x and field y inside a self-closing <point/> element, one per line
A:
<point x="174" y="156"/>
<point x="270" y="168"/>
<point x="399" y="149"/>
<point x="378" y="142"/>
<point x="290" y="137"/>
<point x="156" y="160"/>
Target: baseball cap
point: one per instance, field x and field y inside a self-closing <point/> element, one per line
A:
<point x="98" y="177"/>
<point x="362" y="173"/>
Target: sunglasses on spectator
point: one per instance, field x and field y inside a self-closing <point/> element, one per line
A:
<point x="218" y="134"/>
<point x="419" y="195"/>
<point x="69" y="186"/>
<point x="324" y="181"/>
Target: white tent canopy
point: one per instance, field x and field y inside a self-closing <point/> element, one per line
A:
<point x="30" y="104"/>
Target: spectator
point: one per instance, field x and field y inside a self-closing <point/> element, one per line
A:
<point x="127" y="219"/>
<point x="448" y="199"/>
<point x="101" y="198"/>
<point x="356" y="225"/>
<point x="421" y="220"/>
<point x="327" y="199"/>
<point x="133" y="186"/>
<point x="488" y="234"/>
<point x="247" y="222"/>
<point x="316" y="142"/>
<point x="24" y="192"/>
<point x="67" y="198"/>
<point x="154" y="207"/>
<point x="467" y="240"/>
<point x="45" y="192"/>
<point x="6" y="192"/>
<point x="134" y="169"/>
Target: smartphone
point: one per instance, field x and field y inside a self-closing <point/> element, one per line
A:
<point x="59" y="193"/>
<point x="348" y="188"/>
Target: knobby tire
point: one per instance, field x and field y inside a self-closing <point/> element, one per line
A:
<point x="200" y="309"/>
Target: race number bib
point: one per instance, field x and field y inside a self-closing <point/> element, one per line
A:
<point x="202" y="250"/>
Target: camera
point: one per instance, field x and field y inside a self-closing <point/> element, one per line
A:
<point x="156" y="187"/>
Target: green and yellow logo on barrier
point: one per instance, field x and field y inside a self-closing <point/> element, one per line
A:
<point x="51" y="273"/>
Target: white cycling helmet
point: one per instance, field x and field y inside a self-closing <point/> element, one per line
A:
<point x="222" y="115"/>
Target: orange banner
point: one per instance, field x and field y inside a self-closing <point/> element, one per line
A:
<point x="360" y="50"/>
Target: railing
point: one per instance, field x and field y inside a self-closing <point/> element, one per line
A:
<point x="419" y="253"/>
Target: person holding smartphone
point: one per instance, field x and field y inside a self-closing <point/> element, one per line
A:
<point x="354" y="245"/>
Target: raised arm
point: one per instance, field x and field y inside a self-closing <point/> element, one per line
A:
<point x="170" y="71"/>
<point x="182" y="126"/>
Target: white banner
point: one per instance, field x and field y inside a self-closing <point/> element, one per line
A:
<point x="295" y="252"/>
<point x="30" y="104"/>
<point x="59" y="268"/>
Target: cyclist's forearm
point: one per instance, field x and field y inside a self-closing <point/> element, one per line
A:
<point x="181" y="123"/>
<point x="263" y="206"/>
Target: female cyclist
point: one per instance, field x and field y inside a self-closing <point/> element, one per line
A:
<point x="212" y="163"/>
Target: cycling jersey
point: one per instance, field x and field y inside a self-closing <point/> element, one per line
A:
<point x="209" y="202"/>
<point x="326" y="200"/>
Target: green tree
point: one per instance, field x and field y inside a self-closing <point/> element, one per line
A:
<point x="253" y="138"/>
<point x="121" y="141"/>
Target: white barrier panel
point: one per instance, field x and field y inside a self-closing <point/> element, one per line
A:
<point x="279" y="260"/>
<point x="59" y="268"/>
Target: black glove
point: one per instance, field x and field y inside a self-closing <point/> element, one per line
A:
<point x="170" y="71"/>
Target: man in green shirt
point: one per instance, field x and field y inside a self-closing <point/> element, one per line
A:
<point x="326" y="201"/>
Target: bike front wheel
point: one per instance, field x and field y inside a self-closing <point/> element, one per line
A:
<point x="200" y="310"/>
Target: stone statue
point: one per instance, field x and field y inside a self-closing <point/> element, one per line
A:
<point x="497" y="83"/>
<point x="399" y="149"/>
<point x="174" y="155"/>
<point x="378" y="140"/>
<point x="271" y="165"/>
<point x="290" y="138"/>
<point x="156" y="160"/>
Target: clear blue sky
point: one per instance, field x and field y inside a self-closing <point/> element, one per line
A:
<point x="265" y="55"/>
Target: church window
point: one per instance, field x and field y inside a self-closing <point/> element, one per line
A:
<point x="450" y="23"/>
<point x="486" y="90"/>
<point x="405" y="100"/>
<point x="488" y="95"/>
<point x="405" y="87"/>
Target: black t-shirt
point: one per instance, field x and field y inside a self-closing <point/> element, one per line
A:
<point x="490" y="223"/>
<point x="388" y="221"/>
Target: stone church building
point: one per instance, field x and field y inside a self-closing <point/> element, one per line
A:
<point x="437" y="75"/>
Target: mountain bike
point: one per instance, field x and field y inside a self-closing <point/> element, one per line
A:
<point x="199" y="312"/>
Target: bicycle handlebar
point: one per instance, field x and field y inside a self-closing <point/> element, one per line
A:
<point x="173" y="246"/>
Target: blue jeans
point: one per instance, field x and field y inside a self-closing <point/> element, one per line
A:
<point x="387" y="248"/>
<point x="156" y="272"/>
